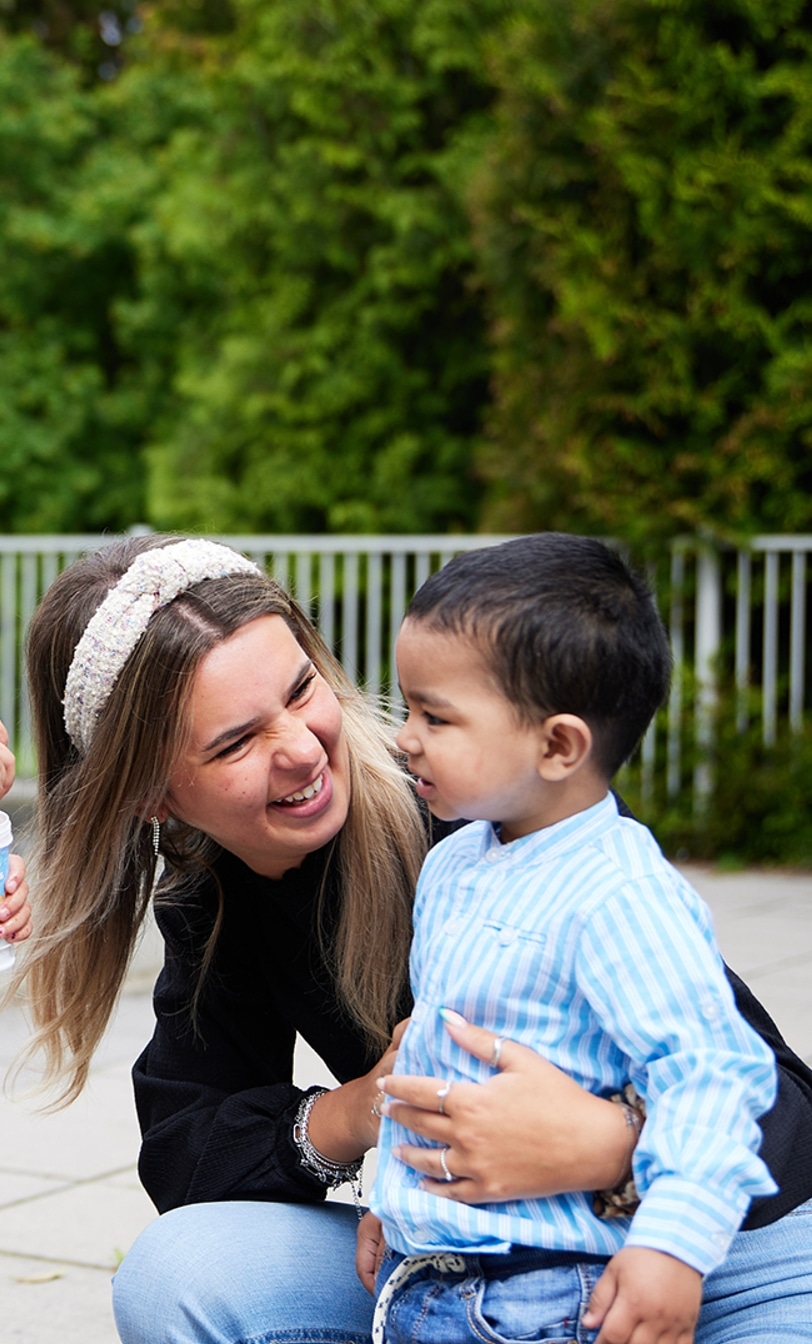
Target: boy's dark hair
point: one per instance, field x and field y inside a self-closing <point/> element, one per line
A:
<point x="565" y="627"/>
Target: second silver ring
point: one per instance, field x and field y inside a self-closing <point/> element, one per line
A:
<point x="447" y="1175"/>
<point x="442" y="1097"/>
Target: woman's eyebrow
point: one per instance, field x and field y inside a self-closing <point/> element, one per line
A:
<point x="228" y="733"/>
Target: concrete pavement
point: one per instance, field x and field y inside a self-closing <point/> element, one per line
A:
<point x="70" y="1201"/>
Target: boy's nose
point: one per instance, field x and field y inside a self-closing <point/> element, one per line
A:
<point x="405" y="739"/>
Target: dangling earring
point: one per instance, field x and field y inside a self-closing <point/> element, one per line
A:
<point x="156" y="835"/>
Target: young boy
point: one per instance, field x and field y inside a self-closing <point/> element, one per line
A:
<point x="530" y="672"/>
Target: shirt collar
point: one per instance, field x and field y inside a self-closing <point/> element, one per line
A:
<point x="583" y="828"/>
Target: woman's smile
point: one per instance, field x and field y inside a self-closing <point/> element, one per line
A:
<point x="308" y="792"/>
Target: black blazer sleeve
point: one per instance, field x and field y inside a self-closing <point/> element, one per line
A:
<point x="214" y="1092"/>
<point x="215" y="1098"/>
<point x="786" y="1144"/>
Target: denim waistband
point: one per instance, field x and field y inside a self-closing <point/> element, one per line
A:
<point x="500" y="1264"/>
<point x="523" y="1259"/>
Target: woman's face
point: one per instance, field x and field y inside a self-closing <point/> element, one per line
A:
<point x="266" y="770"/>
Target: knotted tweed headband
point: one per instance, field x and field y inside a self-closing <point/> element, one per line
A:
<point x="153" y="580"/>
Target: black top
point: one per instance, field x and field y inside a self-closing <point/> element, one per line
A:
<point x="216" y="1104"/>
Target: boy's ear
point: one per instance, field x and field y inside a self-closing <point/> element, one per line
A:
<point x="565" y="744"/>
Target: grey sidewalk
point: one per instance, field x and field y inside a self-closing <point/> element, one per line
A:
<point x="70" y="1201"/>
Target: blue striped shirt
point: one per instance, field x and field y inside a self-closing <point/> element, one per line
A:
<point x="582" y="941"/>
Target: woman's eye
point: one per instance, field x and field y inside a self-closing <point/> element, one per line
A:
<point x="232" y="747"/>
<point x="301" y="689"/>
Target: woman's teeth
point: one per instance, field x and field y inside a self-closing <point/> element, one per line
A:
<point x="303" y="794"/>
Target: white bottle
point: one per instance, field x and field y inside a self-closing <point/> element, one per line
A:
<point x="7" y="952"/>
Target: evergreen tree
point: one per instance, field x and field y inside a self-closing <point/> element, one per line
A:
<point x="331" y="365"/>
<point x="645" y="224"/>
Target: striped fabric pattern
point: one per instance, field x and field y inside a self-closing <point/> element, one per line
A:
<point x="584" y="943"/>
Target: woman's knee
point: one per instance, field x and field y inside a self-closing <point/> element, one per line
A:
<point x="223" y="1273"/>
<point x="160" y="1274"/>
<point x="763" y="1290"/>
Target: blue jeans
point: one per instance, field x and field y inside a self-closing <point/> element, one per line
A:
<point x="490" y="1299"/>
<point x="247" y="1273"/>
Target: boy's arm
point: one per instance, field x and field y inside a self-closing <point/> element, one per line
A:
<point x="786" y="1144"/>
<point x="369" y="1250"/>
<point x="645" y="1297"/>
<point x="647" y="964"/>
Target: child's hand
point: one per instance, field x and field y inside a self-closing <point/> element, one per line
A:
<point x="15" y="912"/>
<point x="369" y="1250"/>
<point x="6" y="763"/>
<point x="645" y="1297"/>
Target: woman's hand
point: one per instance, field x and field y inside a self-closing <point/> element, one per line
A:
<point x="342" y="1122"/>
<point x="7" y="763"/>
<point x="15" y="912"/>
<point x="529" y="1131"/>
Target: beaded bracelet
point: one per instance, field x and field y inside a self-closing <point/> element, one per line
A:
<point x="330" y="1173"/>
<point x="623" y="1200"/>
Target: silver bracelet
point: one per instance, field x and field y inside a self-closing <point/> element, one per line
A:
<point x="330" y="1173"/>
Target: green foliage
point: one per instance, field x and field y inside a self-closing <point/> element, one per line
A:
<point x="759" y="810"/>
<point x="76" y="395"/>
<point x="289" y="265"/>
<point x="645" y="221"/>
<point x="252" y="299"/>
<point x="331" y="364"/>
<point x="61" y="436"/>
<point x="91" y="35"/>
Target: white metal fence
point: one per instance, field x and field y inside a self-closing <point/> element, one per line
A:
<point x="737" y="618"/>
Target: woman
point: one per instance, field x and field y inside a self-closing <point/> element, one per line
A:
<point x="203" y="717"/>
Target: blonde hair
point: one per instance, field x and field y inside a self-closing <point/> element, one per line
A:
<point x="94" y="865"/>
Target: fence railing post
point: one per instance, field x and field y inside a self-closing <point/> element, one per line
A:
<point x="708" y="642"/>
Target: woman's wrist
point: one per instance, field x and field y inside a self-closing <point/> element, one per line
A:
<point x="595" y="1151"/>
<point x="330" y="1172"/>
<point x="333" y="1125"/>
<point x="620" y="1199"/>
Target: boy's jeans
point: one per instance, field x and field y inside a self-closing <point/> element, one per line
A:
<point x="524" y="1296"/>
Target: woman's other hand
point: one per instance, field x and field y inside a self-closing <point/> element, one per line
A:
<point x="529" y="1131"/>
<point x="7" y="763"/>
<point x="15" y="912"/>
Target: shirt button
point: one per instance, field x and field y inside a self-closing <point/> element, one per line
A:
<point x="508" y="936"/>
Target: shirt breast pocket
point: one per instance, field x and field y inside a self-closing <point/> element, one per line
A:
<point x="516" y="964"/>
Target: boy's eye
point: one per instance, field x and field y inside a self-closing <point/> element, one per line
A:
<point x="433" y="720"/>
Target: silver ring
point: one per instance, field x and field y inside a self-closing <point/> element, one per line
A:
<point x="447" y="1175"/>
<point x="497" y="1052"/>
<point x="375" y="1110"/>
<point x="442" y="1096"/>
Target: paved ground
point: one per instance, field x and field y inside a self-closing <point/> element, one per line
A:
<point x="70" y="1202"/>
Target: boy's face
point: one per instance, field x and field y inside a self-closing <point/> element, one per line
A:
<point x="464" y="741"/>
